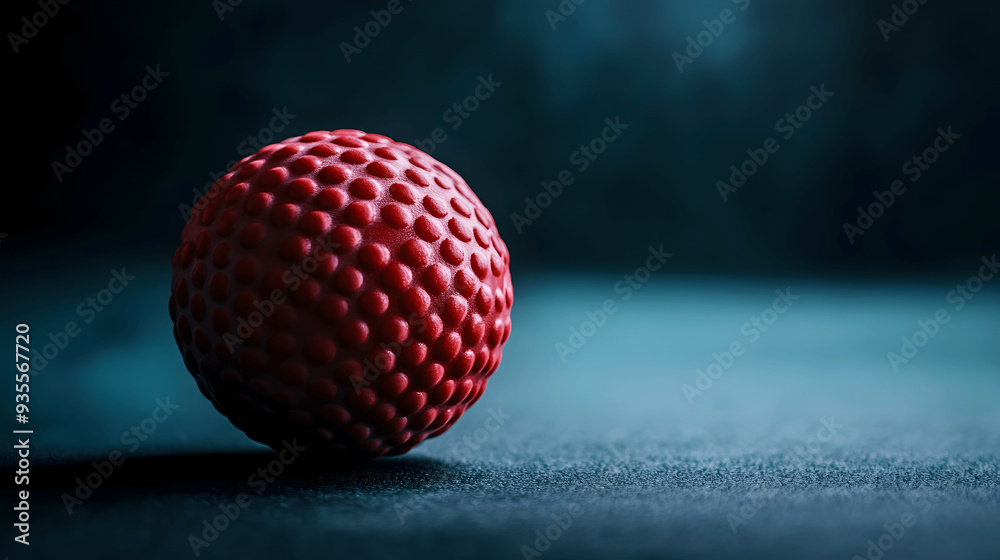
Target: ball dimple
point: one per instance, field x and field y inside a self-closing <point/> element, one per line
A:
<point x="435" y="207"/>
<point x="418" y="177"/>
<point x="355" y="157"/>
<point x="414" y="354"/>
<point x="480" y="265"/>
<point x="334" y="174"/>
<point x="285" y="151"/>
<point x="210" y="211"/>
<point x="451" y="252"/>
<point x="236" y="192"/>
<point x="365" y="188"/>
<point x="218" y="288"/>
<point x="454" y="310"/>
<point x="306" y="164"/>
<point x="428" y="229"/>
<point x="316" y="223"/>
<point x="330" y="199"/>
<point x="348" y="142"/>
<point x="301" y="188"/>
<point x="203" y="244"/>
<point x="436" y="278"/>
<point x="257" y="203"/>
<point x="412" y="402"/>
<point x="295" y="248"/>
<point x="353" y="332"/>
<point x="345" y="238"/>
<point x="198" y="274"/>
<point x="273" y="177"/>
<point x="415" y="300"/>
<point x="198" y="307"/>
<point x="416" y="253"/>
<point x="396" y="277"/>
<point x="323" y="150"/>
<point x="395" y="216"/>
<point x="380" y="169"/>
<point x="250" y="169"/>
<point x="430" y="375"/>
<point x="349" y="280"/>
<point x="394" y="329"/>
<point x="441" y="393"/>
<point x="185" y="253"/>
<point x="466" y="283"/>
<point x="462" y="365"/>
<point x="374" y="256"/>
<point x="336" y="414"/>
<point x="222" y="255"/>
<point x="423" y="419"/>
<point x="403" y="193"/>
<point x="227" y="223"/>
<point x="333" y="308"/>
<point x="181" y="292"/>
<point x="373" y="303"/>
<point x="307" y="292"/>
<point x="461" y="207"/>
<point x="319" y="351"/>
<point x="460" y="229"/>
<point x="284" y="214"/>
<point x="252" y="235"/>
<point x="315" y="136"/>
<point x="474" y="330"/>
<point x="385" y="152"/>
<point x="360" y="213"/>
<point x="484" y="300"/>
<point x="448" y="346"/>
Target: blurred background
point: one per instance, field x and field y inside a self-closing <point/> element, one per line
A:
<point x="876" y="206"/>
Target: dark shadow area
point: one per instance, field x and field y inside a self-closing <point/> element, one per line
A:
<point x="196" y="471"/>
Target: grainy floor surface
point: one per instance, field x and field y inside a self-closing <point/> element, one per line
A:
<point x="809" y="445"/>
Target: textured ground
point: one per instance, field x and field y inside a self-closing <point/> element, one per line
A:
<point x="606" y="441"/>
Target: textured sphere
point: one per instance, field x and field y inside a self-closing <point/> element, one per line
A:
<point x="344" y="290"/>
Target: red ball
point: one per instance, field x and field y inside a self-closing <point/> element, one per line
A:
<point x="342" y="290"/>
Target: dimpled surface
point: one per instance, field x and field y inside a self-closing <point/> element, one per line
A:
<point x="342" y="289"/>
